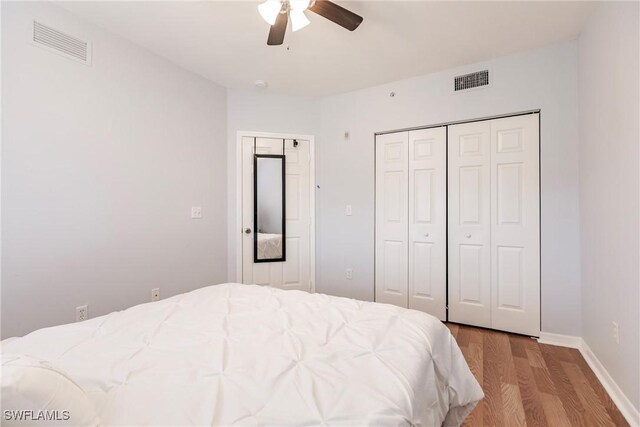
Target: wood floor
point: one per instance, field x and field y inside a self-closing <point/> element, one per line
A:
<point x="531" y="384"/>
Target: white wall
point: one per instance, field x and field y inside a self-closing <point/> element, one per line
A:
<point x="262" y="112"/>
<point x="609" y="190"/>
<point x="543" y="79"/>
<point x="101" y="166"/>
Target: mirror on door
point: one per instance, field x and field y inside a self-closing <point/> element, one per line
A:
<point x="269" y="208"/>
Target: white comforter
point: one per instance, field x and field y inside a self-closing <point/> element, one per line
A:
<point x="248" y="355"/>
<point x="269" y="246"/>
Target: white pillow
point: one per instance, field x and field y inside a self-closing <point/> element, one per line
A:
<point x="34" y="393"/>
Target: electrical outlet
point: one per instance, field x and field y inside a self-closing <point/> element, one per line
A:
<point x="616" y="332"/>
<point x="349" y="273"/>
<point x="196" y="212"/>
<point x="155" y="294"/>
<point x="82" y="313"/>
<point x="349" y="210"/>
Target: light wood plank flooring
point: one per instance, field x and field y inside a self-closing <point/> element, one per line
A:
<point x="531" y="384"/>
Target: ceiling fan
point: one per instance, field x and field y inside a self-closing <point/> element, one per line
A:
<point x="278" y="12"/>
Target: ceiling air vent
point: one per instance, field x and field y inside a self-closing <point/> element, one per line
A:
<point x="61" y="43"/>
<point x="472" y="80"/>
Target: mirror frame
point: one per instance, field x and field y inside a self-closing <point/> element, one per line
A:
<point x="255" y="209"/>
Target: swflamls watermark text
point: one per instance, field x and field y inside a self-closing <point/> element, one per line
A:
<point x="31" y="415"/>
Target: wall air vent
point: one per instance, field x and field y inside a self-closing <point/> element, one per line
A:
<point x="472" y="80"/>
<point x="61" y="43"/>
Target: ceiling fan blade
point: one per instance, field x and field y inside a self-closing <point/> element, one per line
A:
<point x="337" y="14"/>
<point x="276" y="33"/>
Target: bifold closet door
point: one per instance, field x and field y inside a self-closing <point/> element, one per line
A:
<point x="515" y="224"/>
<point x="391" y="257"/>
<point x="411" y="233"/>
<point x="469" y="219"/>
<point x="428" y="221"/>
<point x="494" y="224"/>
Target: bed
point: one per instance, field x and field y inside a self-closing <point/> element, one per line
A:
<point x="235" y="354"/>
<point x="269" y="246"/>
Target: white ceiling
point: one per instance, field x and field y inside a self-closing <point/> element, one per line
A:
<point x="225" y="41"/>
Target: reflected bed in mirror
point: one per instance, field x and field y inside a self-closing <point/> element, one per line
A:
<point x="269" y="208"/>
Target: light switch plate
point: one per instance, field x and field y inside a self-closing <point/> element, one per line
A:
<point x="349" y="210"/>
<point x="196" y="212"/>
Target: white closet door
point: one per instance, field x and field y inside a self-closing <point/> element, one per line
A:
<point x="469" y="219"/>
<point x="391" y="218"/>
<point x="515" y="229"/>
<point x="427" y="221"/>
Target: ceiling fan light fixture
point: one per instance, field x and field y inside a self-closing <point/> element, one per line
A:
<point x="298" y="19"/>
<point x="299" y="4"/>
<point x="269" y="10"/>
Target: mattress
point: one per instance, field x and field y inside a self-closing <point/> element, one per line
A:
<point x="236" y="354"/>
<point x="269" y="246"/>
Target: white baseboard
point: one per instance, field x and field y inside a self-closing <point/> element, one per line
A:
<point x="630" y="413"/>
<point x="560" y="340"/>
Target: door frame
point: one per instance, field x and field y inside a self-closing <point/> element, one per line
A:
<point x="312" y="198"/>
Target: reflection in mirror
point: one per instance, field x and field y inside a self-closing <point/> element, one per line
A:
<point x="269" y="207"/>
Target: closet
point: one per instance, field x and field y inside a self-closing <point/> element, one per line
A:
<point x="458" y="222"/>
<point x="411" y="223"/>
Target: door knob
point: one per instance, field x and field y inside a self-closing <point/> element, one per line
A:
<point x="468" y="236"/>
<point x="426" y="234"/>
<point x="247" y="231"/>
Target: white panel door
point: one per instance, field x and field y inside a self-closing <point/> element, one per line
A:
<point x="515" y="225"/>
<point x="295" y="272"/>
<point x="391" y="263"/>
<point x="427" y="221"/>
<point x="469" y="216"/>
